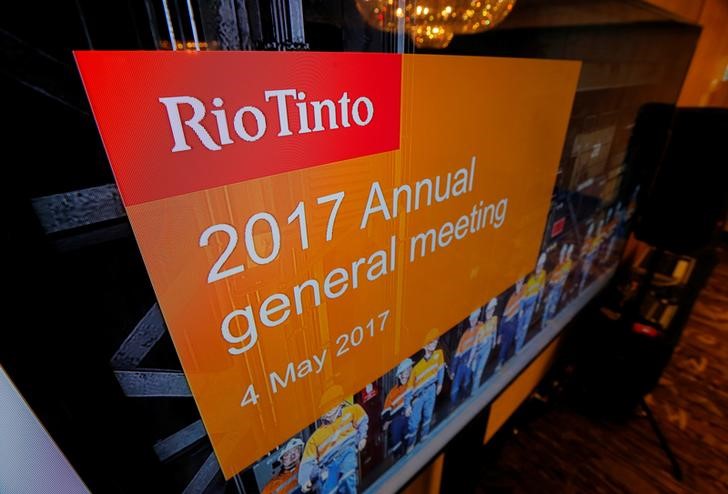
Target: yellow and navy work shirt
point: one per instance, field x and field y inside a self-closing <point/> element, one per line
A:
<point x="283" y="483"/>
<point x="329" y="440"/>
<point x="399" y="398"/>
<point x="427" y="372"/>
<point x="534" y="285"/>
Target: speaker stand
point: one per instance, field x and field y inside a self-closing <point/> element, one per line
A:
<point x="664" y="445"/>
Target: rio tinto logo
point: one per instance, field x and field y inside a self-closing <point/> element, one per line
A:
<point x="251" y="123"/>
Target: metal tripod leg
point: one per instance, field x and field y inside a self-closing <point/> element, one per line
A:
<point x="676" y="470"/>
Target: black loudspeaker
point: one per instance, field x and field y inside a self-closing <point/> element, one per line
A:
<point x="687" y="199"/>
<point x="646" y="147"/>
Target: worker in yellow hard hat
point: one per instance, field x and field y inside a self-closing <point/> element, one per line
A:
<point x="330" y="458"/>
<point x="428" y="375"/>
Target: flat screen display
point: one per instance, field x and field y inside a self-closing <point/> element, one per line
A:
<point x="346" y="248"/>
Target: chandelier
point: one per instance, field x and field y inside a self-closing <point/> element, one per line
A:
<point x="433" y="23"/>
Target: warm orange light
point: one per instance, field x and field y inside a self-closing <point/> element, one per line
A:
<point x="433" y="23"/>
<point x="189" y="45"/>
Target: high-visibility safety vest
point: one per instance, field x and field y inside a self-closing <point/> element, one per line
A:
<point x="428" y="371"/>
<point x="468" y="340"/>
<point x="534" y="284"/>
<point x="513" y="306"/>
<point x="397" y="400"/>
<point x="283" y="483"/>
<point x="328" y="440"/>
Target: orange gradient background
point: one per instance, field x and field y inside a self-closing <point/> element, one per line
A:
<point x="510" y="114"/>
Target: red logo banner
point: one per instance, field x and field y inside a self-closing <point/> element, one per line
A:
<point x="272" y="113"/>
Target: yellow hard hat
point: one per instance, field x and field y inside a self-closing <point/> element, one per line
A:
<point x="432" y="334"/>
<point x="332" y="397"/>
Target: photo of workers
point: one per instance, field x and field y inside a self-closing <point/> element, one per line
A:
<point x="509" y="324"/>
<point x="589" y="250"/>
<point x="484" y="343"/>
<point x="620" y="220"/>
<point x="277" y="472"/>
<point x="288" y="460"/>
<point x="330" y="457"/>
<point x="428" y="376"/>
<point x="556" y="281"/>
<point x="383" y="423"/>
<point x="322" y="458"/>
<point x="398" y="410"/>
<point x="462" y="365"/>
<point x="530" y="299"/>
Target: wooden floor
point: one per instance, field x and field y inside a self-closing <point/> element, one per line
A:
<point x="561" y="451"/>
